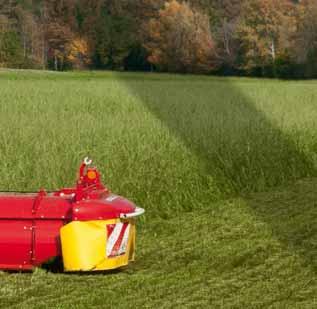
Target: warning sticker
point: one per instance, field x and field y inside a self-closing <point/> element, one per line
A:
<point x="118" y="236"/>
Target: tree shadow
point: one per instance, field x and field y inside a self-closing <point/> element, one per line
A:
<point x="239" y="146"/>
<point x="292" y="215"/>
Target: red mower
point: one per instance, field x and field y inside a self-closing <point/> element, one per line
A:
<point x="87" y="226"/>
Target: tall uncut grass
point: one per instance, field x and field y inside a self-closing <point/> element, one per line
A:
<point x="168" y="142"/>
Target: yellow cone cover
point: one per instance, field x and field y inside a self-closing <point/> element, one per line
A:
<point x="97" y="245"/>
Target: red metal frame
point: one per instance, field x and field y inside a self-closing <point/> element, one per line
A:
<point x="30" y="223"/>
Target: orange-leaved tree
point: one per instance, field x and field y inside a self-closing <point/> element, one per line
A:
<point x="264" y="31"/>
<point x="180" y="40"/>
<point x="78" y="53"/>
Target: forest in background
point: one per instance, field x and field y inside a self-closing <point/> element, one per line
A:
<point x="229" y="37"/>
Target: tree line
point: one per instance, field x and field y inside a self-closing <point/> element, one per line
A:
<point x="228" y="37"/>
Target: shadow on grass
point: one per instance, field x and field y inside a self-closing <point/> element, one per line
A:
<point x="56" y="266"/>
<point x="239" y="147"/>
<point x="292" y="215"/>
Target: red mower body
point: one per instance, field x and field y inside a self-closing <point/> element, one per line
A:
<point x="30" y="223"/>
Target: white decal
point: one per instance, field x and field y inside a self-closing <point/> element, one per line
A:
<point x="113" y="238"/>
<point x="118" y="240"/>
<point x="124" y="243"/>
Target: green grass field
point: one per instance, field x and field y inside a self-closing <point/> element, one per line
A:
<point x="225" y="168"/>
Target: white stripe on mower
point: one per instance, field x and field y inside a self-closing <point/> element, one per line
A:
<point x="124" y="243"/>
<point x="118" y="240"/>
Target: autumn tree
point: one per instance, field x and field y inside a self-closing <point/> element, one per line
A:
<point x="180" y="39"/>
<point x="59" y="22"/>
<point x="78" y="53"/>
<point x="264" y="31"/>
<point x="141" y="11"/>
<point x="58" y="38"/>
<point x="224" y="18"/>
